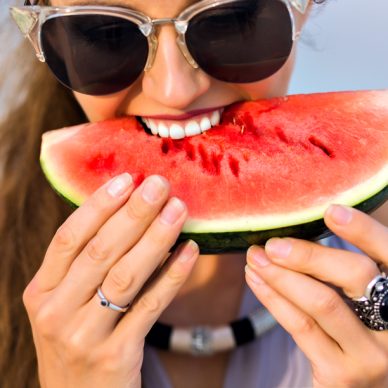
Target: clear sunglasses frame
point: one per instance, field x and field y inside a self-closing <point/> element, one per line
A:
<point x="30" y="19"/>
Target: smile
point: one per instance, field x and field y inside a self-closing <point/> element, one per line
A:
<point x="179" y="129"/>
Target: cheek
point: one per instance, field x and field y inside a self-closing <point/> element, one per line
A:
<point x="99" y="108"/>
<point x="274" y="86"/>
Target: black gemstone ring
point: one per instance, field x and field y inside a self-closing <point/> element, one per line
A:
<point x="372" y="308"/>
<point x="107" y="303"/>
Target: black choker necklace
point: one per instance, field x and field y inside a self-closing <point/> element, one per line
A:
<point x="204" y="340"/>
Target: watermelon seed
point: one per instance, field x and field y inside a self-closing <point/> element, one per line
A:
<point x="246" y="124"/>
<point x="234" y="166"/>
<point x="211" y="164"/>
<point x="165" y="146"/>
<point x="281" y="135"/>
<point x="190" y="151"/>
<point x="318" y="143"/>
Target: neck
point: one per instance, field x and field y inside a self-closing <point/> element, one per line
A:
<point x="212" y="293"/>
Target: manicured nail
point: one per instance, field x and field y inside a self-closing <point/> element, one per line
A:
<point x="253" y="276"/>
<point x="278" y="248"/>
<point x="153" y="188"/>
<point x="119" y="185"/>
<point x="341" y="215"/>
<point x="189" y="250"/>
<point x="259" y="258"/>
<point x="172" y="211"/>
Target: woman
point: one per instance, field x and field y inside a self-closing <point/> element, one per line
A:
<point x="87" y="304"/>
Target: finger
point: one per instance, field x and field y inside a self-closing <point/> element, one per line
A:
<point x="118" y="235"/>
<point x="79" y="228"/>
<point x="360" y="230"/>
<point x="317" y="300"/>
<point x="348" y="270"/>
<point x="308" y="335"/>
<point x="123" y="280"/>
<point x="158" y="295"/>
<point x="128" y="276"/>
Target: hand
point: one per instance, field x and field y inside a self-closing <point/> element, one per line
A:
<point x="116" y="240"/>
<point x="289" y="277"/>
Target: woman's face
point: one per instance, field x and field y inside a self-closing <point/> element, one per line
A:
<point x="172" y="89"/>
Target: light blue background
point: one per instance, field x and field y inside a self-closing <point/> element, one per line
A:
<point x="344" y="47"/>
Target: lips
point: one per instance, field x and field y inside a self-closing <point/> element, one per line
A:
<point x="181" y="128"/>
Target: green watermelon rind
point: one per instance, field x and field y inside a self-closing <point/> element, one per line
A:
<point x="212" y="243"/>
<point x="67" y="191"/>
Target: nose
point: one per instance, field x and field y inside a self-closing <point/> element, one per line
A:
<point x="172" y="81"/>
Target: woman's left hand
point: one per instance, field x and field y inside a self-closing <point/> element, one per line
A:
<point x="294" y="280"/>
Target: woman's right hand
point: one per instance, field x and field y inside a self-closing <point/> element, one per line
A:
<point x="117" y="240"/>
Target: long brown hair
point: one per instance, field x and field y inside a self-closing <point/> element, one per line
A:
<point x="30" y="212"/>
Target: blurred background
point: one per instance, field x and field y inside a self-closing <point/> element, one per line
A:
<point x="344" y="46"/>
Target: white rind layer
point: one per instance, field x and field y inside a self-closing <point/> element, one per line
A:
<point x="51" y="138"/>
<point x="351" y="197"/>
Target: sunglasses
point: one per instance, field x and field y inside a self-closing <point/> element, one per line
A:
<point x="99" y="50"/>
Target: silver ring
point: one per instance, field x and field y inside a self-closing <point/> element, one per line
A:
<point x="107" y="303"/>
<point x="372" y="307"/>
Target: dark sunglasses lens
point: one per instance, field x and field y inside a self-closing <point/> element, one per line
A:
<point x="94" y="54"/>
<point x="245" y="41"/>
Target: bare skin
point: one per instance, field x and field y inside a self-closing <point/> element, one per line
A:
<point x="83" y="256"/>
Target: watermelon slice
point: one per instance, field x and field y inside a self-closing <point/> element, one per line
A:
<point x="270" y="168"/>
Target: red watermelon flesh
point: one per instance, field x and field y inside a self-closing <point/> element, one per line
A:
<point x="269" y="164"/>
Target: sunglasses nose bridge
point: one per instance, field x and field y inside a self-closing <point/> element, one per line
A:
<point x="148" y="29"/>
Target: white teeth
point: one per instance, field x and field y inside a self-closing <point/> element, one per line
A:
<point x="176" y="132"/>
<point x="163" y="130"/>
<point x="192" y="128"/>
<point x="180" y="129"/>
<point x="154" y="128"/>
<point x="215" y="118"/>
<point x="205" y="124"/>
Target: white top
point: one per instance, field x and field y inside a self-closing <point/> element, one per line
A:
<point x="272" y="361"/>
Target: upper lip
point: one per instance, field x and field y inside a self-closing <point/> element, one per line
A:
<point x="183" y="116"/>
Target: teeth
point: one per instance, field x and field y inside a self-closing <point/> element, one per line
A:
<point x="163" y="131"/>
<point x="176" y="132"/>
<point x="205" y="124"/>
<point x="215" y="118"/>
<point x="154" y="128"/>
<point x="192" y="128"/>
<point x="181" y="129"/>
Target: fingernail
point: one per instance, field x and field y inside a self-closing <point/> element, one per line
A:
<point x="279" y="248"/>
<point x="172" y="211"/>
<point x="259" y="257"/>
<point x="153" y="188"/>
<point x="119" y="185"/>
<point x="341" y="215"/>
<point x="189" y="250"/>
<point x="253" y="276"/>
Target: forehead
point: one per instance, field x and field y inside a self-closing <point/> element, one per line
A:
<point x="153" y="8"/>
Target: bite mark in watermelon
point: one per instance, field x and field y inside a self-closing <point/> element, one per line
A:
<point x="271" y="168"/>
